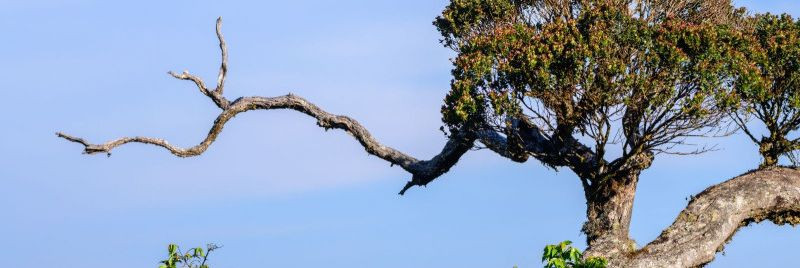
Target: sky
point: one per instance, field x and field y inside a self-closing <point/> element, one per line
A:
<point x="275" y="190"/>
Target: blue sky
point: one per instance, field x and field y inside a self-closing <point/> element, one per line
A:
<point x="275" y="190"/>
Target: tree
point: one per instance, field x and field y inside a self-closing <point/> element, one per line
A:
<point x="192" y="258"/>
<point x="600" y="87"/>
<point x="773" y="98"/>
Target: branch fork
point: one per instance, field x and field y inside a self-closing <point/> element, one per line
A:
<point x="423" y="171"/>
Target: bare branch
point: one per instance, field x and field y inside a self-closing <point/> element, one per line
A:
<point x="73" y="139"/>
<point x="223" y="68"/>
<point x="423" y="171"/>
<point x="536" y="143"/>
<point x="216" y="94"/>
<point x="189" y="77"/>
<point x="198" y="149"/>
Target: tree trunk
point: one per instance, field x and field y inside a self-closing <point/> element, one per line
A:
<point x="702" y="229"/>
<point x="772" y="148"/>
<point x="769" y="151"/>
<point x="608" y="209"/>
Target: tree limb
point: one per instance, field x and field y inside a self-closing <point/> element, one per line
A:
<point x="715" y="215"/>
<point x="423" y="171"/>
<point x="223" y="68"/>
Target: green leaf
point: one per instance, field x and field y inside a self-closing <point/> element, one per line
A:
<point x="575" y="255"/>
<point x="198" y="252"/>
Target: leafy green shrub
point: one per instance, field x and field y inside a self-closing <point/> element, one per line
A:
<point x="192" y="258"/>
<point x="563" y="255"/>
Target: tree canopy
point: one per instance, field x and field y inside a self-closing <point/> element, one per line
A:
<point x="599" y="67"/>
<point x="773" y="97"/>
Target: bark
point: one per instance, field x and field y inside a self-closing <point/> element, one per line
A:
<point x="608" y="211"/>
<point x="770" y="157"/>
<point x="714" y="216"/>
<point x="771" y="148"/>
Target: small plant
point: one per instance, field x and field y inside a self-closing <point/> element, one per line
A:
<point x="563" y="255"/>
<point x="192" y="258"/>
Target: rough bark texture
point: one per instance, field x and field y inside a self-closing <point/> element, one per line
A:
<point x="714" y="216"/>
<point x="773" y="147"/>
<point x="701" y="230"/>
<point x="608" y="210"/>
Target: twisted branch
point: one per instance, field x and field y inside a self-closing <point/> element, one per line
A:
<point x="423" y="171"/>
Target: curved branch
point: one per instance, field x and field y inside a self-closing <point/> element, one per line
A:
<point x="423" y="171"/>
<point x="713" y="217"/>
